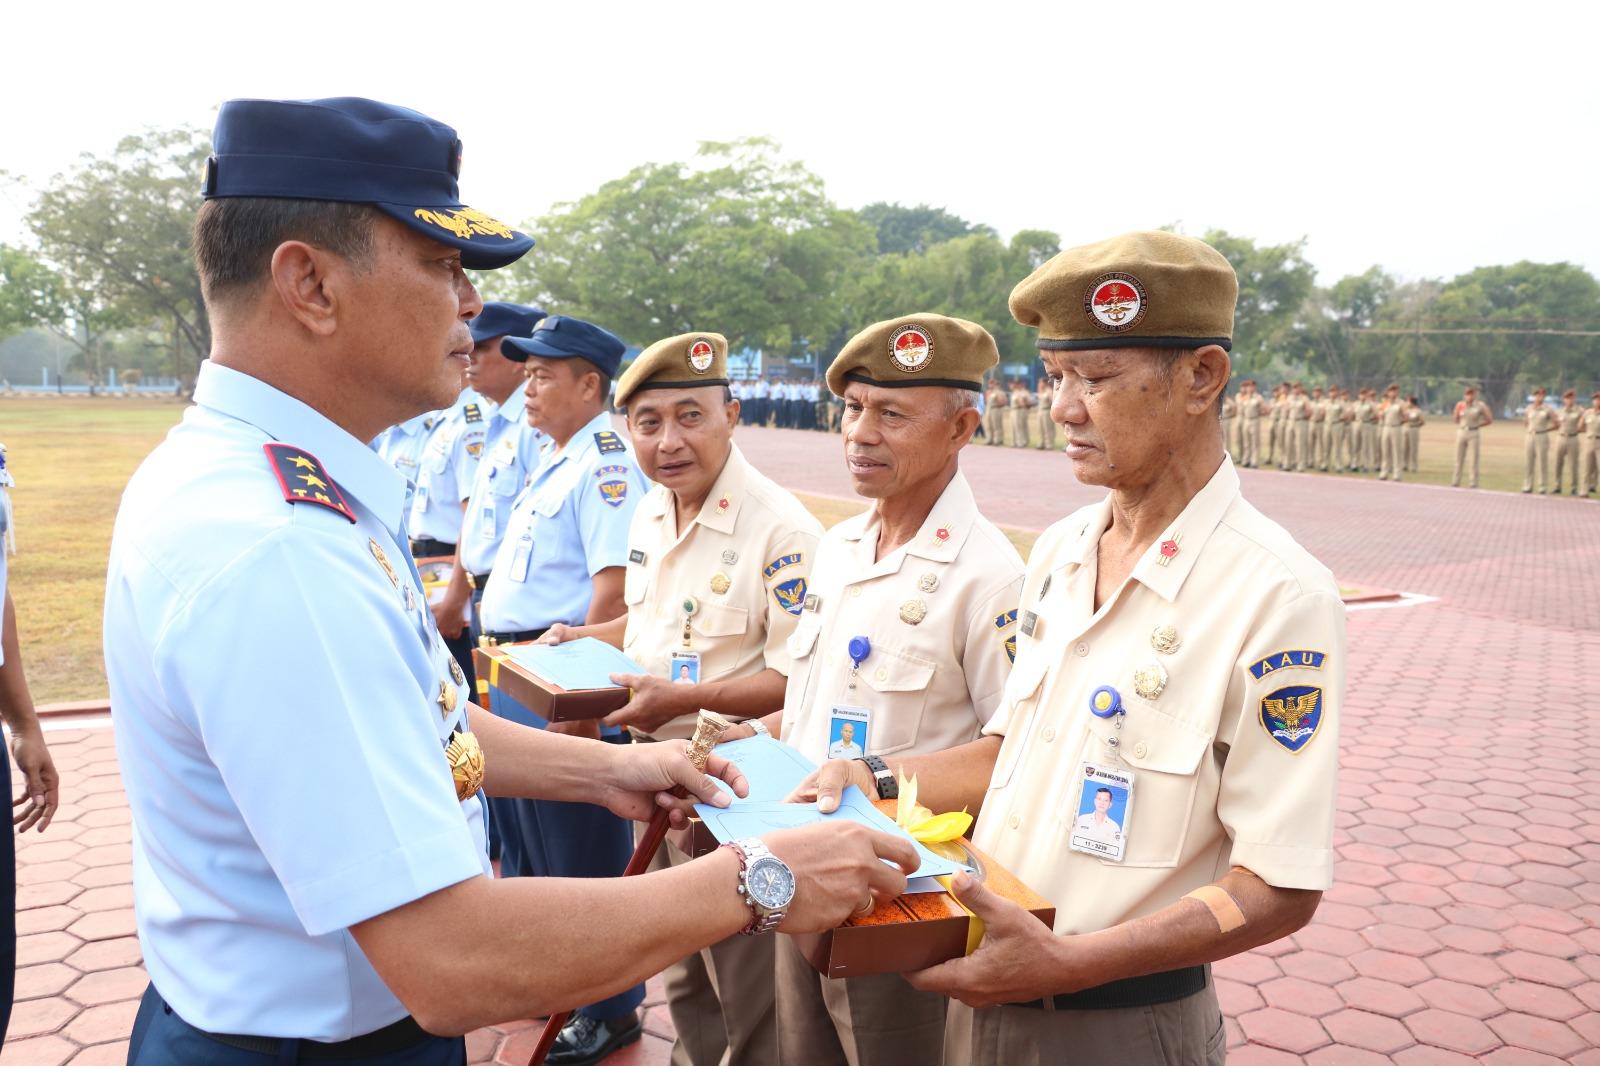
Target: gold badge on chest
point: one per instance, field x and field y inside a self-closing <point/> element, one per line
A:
<point x="466" y="765"/>
<point x="383" y="561"/>
<point x="928" y="582"/>
<point x="457" y="673"/>
<point x="1165" y="639"/>
<point x="913" y="611"/>
<point x="1150" y="681"/>
<point x="446" y="699"/>
<point x="720" y="583"/>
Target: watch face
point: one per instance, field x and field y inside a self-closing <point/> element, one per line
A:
<point x="770" y="883"/>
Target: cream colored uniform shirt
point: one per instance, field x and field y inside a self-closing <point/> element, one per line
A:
<point x="1213" y="786"/>
<point x="928" y="685"/>
<point x="751" y="532"/>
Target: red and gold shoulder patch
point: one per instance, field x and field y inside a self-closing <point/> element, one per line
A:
<point x="303" y="480"/>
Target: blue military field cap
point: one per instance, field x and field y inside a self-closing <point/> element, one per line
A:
<point x="351" y="150"/>
<point x="499" y="319"/>
<point x="560" y="337"/>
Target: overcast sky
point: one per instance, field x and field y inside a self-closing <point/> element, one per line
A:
<point x="1426" y="137"/>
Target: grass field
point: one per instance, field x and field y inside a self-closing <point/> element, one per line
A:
<point x="72" y="455"/>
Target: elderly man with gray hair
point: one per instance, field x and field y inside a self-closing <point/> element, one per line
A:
<point x="905" y="638"/>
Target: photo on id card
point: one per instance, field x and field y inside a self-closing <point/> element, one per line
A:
<point x="685" y="668"/>
<point x="1105" y="802"/>
<point x="847" y="731"/>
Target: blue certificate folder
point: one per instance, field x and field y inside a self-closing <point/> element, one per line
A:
<point x="582" y="663"/>
<point x="773" y="770"/>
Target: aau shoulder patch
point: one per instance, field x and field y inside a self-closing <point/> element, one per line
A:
<point x="303" y="480"/>
<point x="1291" y="716"/>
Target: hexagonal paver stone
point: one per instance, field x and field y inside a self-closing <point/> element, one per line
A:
<point x="1453" y="1032"/>
<point x="1537" y="1034"/>
<point x="1284" y="1030"/>
<point x="1364" y="1029"/>
<point x="109" y="986"/>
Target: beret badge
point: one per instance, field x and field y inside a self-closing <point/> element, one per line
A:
<point x="910" y="348"/>
<point x="701" y="355"/>
<point x="1115" y="302"/>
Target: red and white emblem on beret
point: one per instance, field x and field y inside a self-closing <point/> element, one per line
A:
<point x="701" y="353"/>
<point x="910" y="348"/>
<point x="1115" y="302"/>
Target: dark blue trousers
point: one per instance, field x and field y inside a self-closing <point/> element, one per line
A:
<point x="161" y="1038"/>
<point x="550" y="839"/>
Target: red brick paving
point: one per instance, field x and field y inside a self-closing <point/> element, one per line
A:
<point x="1465" y="921"/>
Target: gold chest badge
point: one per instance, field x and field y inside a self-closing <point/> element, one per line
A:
<point x="1150" y="681"/>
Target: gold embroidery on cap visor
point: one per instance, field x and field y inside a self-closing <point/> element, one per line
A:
<point x="910" y="348"/>
<point x="701" y="355"/>
<point x="464" y="222"/>
<point x="1115" y="302"/>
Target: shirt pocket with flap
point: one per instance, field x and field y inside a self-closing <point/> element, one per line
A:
<point x="803" y="641"/>
<point x="1164" y="753"/>
<point x="899" y="682"/>
<point x="723" y="626"/>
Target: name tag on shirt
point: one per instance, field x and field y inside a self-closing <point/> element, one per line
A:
<point x="520" y="558"/>
<point x="487" y="519"/>
<point x="1105" y="803"/>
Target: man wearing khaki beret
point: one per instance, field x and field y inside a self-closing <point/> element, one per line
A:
<point x="718" y="561"/>
<point x="906" y="636"/>
<point x="1176" y="648"/>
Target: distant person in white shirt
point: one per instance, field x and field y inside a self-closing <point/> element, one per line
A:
<point x="846" y="747"/>
<point x="1099" y="824"/>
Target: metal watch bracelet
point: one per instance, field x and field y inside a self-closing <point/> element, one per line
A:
<point x="749" y="850"/>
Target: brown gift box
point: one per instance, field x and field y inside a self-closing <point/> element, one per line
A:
<point x="913" y="932"/>
<point x="545" y="698"/>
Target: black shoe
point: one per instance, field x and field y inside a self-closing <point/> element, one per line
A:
<point x="584" y="1041"/>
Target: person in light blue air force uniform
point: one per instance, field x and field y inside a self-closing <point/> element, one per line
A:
<point x="510" y="452"/>
<point x="446" y="470"/>
<point x="303" y="766"/>
<point x="563" y="559"/>
<point x="401" y="445"/>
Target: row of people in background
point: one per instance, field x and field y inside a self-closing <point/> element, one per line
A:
<point x="1577" y="444"/>
<point x="1018" y="416"/>
<point x="787" y="403"/>
<point x="1327" y="430"/>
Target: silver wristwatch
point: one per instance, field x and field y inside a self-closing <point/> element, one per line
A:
<point x="766" y="884"/>
<point x="759" y="726"/>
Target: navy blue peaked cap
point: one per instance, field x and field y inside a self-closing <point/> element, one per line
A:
<point x="500" y="319"/>
<point x="560" y="337"/>
<point x="351" y="150"/>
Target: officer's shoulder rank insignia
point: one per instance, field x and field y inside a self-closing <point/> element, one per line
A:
<point x="472" y="413"/>
<point x="303" y="480"/>
<point x="1291" y="715"/>
<point x="791" y="594"/>
<point x="1287" y="660"/>
<point x="613" y="485"/>
<point x="608" y="441"/>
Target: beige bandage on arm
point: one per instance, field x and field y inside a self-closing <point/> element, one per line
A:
<point x="1221" y="905"/>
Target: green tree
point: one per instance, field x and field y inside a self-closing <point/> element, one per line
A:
<point x="1274" y="283"/>
<point x="116" y="230"/>
<point x="1522" y="317"/>
<point x="1327" y="335"/>
<point x="743" y="242"/>
<point x="914" y="230"/>
<point x="34" y="296"/>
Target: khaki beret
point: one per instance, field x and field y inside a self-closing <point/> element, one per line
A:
<point x="1140" y="290"/>
<point x="921" y="349"/>
<point x="686" y="361"/>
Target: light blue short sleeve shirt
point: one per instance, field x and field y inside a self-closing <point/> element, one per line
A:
<point x="446" y="468"/>
<point x="279" y="699"/>
<point x="511" y="451"/>
<point x="570" y="523"/>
